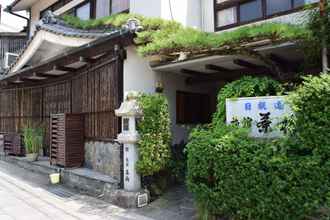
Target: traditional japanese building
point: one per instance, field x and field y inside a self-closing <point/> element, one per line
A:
<point x="63" y="69"/>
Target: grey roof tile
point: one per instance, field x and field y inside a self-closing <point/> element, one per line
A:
<point x="56" y="25"/>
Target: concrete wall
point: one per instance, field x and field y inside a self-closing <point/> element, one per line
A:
<point x="104" y="157"/>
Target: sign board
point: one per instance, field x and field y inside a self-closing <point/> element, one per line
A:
<point x="264" y="114"/>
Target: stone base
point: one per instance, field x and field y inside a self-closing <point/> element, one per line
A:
<point x="124" y="198"/>
<point x="104" y="157"/>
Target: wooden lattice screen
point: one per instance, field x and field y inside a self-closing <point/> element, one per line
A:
<point x="95" y="92"/>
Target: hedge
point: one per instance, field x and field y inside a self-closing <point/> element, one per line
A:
<point x="311" y="105"/>
<point x="233" y="175"/>
<point x="154" y="128"/>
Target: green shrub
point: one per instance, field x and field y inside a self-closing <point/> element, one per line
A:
<point x="311" y="105"/>
<point x="33" y="139"/>
<point x="154" y="128"/>
<point x="245" y="87"/>
<point x="233" y="175"/>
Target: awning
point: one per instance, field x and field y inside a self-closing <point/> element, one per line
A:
<point x="207" y="68"/>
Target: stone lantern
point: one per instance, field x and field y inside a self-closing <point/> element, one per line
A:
<point x="130" y="113"/>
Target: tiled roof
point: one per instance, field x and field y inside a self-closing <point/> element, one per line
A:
<point x="56" y="25"/>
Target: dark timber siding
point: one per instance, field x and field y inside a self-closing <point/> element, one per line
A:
<point x="94" y="91"/>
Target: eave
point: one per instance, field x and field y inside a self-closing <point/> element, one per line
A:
<point x="53" y="37"/>
<point x="66" y="64"/>
<point x="227" y="66"/>
<point x="21" y="5"/>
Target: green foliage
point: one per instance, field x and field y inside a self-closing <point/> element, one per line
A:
<point x="189" y="39"/>
<point x="109" y="21"/>
<point x="178" y="163"/>
<point x="245" y="87"/>
<point x="318" y="27"/>
<point x="233" y="175"/>
<point x="33" y="139"/>
<point x="311" y="105"/>
<point x="163" y="37"/>
<point x="154" y="128"/>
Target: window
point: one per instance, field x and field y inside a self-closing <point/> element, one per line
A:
<point x="227" y="16"/>
<point x="84" y="11"/>
<point x="91" y="8"/>
<point x="55" y="6"/>
<point x="299" y="3"/>
<point x="276" y="6"/>
<point x="229" y="13"/>
<point x="192" y="108"/>
<point x="250" y="11"/>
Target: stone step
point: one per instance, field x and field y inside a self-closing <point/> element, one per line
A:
<point x="41" y="166"/>
<point x="89" y="181"/>
<point x="85" y="180"/>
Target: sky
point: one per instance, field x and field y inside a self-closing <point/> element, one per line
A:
<point x="10" y="22"/>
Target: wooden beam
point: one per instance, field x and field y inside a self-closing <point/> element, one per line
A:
<point x="194" y="72"/>
<point x="87" y="60"/>
<point x="196" y="81"/>
<point x="280" y="61"/>
<point x="35" y="77"/>
<point x="18" y="80"/>
<point x="48" y="75"/>
<point x="209" y="76"/>
<point x="197" y="77"/>
<point x="65" y="69"/>
<point x="216" y="68"/>
<point x="246" y="64"/>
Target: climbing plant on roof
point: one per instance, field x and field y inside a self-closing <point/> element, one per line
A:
<point x="160" y="36"/>
<point x="170" y="38"/>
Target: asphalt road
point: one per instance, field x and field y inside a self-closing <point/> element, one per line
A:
<point x="28" y="196"/>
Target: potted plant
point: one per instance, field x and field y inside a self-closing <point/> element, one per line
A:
<point x="33" y="140"/>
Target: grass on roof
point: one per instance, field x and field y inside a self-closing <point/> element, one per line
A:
<point x="164" y="37"/>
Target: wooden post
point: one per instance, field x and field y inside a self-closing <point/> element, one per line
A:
<point x="324" y="40"/>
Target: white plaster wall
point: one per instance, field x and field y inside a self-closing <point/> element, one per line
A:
<point x="176" y="82"/>
<point x="35" y="12"/>
<point x="148" y="8"/>
<point x="138" y="76"/>
<point x="187" y="12"/>
<point x="207" y="15"/>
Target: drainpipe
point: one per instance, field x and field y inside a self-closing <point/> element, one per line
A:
<point x="325" y="64"/>
<point x="202" y="14"/>
<point x="9" y="10"/>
